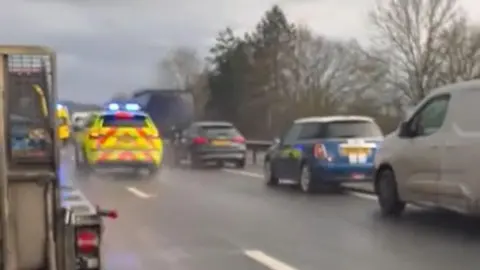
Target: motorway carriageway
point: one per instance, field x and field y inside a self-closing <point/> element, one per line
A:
<point x="227" y="219"/>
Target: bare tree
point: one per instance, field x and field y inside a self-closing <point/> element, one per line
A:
<point x="460" y="53"/>
<point x="409" y="31"/>
<point x="180" y="68"/>
<point x="324" y="73"/>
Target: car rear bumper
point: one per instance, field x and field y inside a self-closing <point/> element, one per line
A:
<point x="125" y="157"/>
<point x="335" y="173"/>
<point x="224" y="156"/>
<point x="124" y="164"/>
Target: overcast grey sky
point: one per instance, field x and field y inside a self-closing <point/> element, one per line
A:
<point x="107" y="46"/>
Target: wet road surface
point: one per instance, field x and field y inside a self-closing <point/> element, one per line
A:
<point x="216" y="219"/>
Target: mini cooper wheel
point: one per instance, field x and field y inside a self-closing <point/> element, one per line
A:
<point x="307" y="185"/>
<point x="269" y="175"/>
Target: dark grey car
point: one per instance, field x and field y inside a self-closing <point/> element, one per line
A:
<point x="211" y="141"/>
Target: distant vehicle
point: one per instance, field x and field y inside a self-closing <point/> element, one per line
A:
<point x="79" y="118"/>
<point x="211" y="141"/>
<point x="168" y="108"/>
<point x="318" y="152"/>
<point x="432" y="158"/>
<point x="63" y="119"/>
<point x="120" y="137"/>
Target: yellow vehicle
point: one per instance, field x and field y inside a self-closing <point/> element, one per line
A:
<point x="121" y="137"/>
<point x="63" y="123"/>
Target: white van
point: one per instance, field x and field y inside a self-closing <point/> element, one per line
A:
<point x="433" y="158"/>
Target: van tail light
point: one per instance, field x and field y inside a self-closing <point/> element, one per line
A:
<point x="87" y="241"/>
<point x="238" y="139"/>
<point x="200" y="140"/>
<point x="319" y="151"/>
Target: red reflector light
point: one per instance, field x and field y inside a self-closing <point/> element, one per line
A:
<point x="238" y="139"/>
<point x="123" y="115"/>
<point x="87" y="241"/>
<point x="199" y="140"/>
<point x="113" y="214"/>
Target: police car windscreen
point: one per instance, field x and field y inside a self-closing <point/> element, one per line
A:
<point x="352" y="129"/>
<point x="219" y="131"/>
<point x="124" y="121"/>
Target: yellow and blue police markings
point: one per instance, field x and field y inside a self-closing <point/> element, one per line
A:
<point x="295" y="152"/>
<point x="358" y="151"/>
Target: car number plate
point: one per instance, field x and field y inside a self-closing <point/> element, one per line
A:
<point x="220" y="143"/>
<point x="358" y="176"/>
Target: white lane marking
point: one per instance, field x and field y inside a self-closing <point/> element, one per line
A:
<point x="138" y="193"/>
<point x="268" y="261"/>
<point x="244" y="173"/>
<point x="363" y="195"/>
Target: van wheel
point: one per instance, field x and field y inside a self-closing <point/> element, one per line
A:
<point x="269" y="174"/>
<point x="388" y="198"/>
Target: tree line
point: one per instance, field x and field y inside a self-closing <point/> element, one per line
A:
<point x="264" y="79"/>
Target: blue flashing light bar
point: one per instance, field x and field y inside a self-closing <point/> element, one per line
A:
<point x="132" y="107"/>
<point x="126" y="107"/>
<point x="59" y="106"/>
<point x="113" y="107"/>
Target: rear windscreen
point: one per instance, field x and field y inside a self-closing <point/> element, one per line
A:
<point x="63" y="121"/>
<point x="352" y="129"/>
<point x="219" y="131"/>
<point x="134" y="121"/>
<point x="339" y="129"/>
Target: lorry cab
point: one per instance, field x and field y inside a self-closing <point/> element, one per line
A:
<point x="432" y="158"/>
<point x="324" y="151"/>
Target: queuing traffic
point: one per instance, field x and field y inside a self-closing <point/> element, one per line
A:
<point x="410" y="166"/>
<point x="320" y="153"/>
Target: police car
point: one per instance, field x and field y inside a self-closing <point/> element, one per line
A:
<point x="324" y="151"/>
<point x="121" y="136"/>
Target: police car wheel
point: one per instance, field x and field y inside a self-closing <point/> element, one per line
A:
<point x="388" y="198"/>
<point x="269" y="175"/>
<point x="306" y="183"/>
<point x="152" y="171"/>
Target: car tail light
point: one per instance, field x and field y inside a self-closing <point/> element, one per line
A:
<point x="238" y="139"/>
<point x="199" y="140"/>
<point x="94" y="135"/>
<point x="87" y="241"/>
<point x="319" y="151"/>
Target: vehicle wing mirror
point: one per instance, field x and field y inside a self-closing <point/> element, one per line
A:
<point x="276" y="141"/>
<point x="405" y="130"/>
